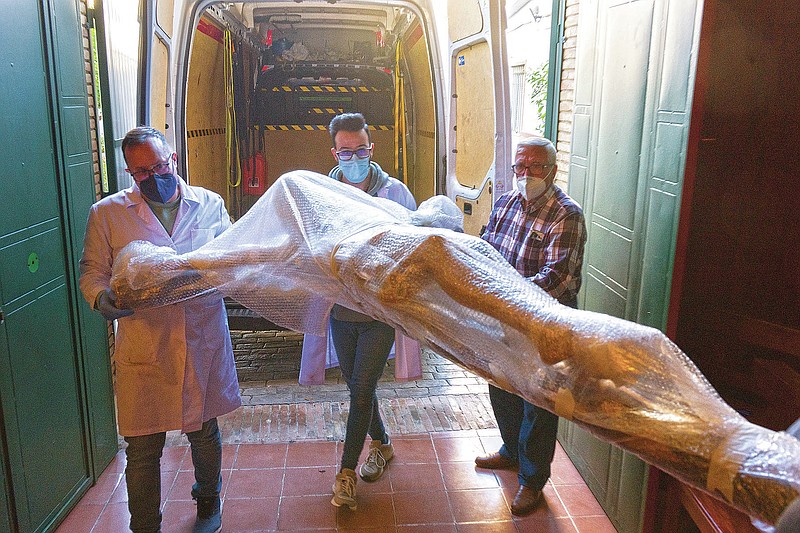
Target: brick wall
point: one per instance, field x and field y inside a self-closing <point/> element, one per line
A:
<point x="567" y="94"/>
<point x="87" y="65"/>
<point x="267" y="355"/>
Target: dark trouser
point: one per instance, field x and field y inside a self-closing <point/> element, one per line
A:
<point x="529" y="435"/>
<point x="143" y="473"/>
<point x="362" y="349"/>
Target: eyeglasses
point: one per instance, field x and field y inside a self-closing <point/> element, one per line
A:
<point x="158" y="168"/>
<point x="520" y="169"/>
<point x="347" y="155"/>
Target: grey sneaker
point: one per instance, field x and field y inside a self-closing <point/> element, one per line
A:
<point x="344" y="489"/>
<point x="209" y="516"/>
<point x="379" y="456"/>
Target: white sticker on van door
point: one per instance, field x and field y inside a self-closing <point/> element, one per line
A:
<point x="460" y="61"/>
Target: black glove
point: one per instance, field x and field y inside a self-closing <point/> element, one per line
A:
<point x="106" y="304"/>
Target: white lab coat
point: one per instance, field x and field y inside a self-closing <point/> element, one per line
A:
<point x="174" y="364"/>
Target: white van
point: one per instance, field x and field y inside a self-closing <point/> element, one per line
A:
<point x="245" y="90"/>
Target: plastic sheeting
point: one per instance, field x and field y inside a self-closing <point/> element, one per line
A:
<point x="310" y="242"/>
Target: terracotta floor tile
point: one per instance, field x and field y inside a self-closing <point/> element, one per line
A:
<point x="482" y="505"/>
<point x="306" y="512"/>
<point x="261" y="456"/>
<point x="431" y="507"/>
<point x="462" y="476"/>
<point x="288" y="487"/>
<point x="579" y="500"/>
<point x="257" y="514"/>
<point x="458" y="449"/>
<point x="178" y="516"/>
<point x="255" y="483"/>
<point x="375" y="529"/>
<point x="544" y="524"/>
<point x="552" y="502"/>
<point x="563" y="472"/>
<point x="103" y="489"/>
<point x="560" y="453"/>
<point x="594" y="524"/>
<point x="229" y="452"/>
<point x="82" y="518"/>
<point x="118" y="463"/>
<point x="457" y="434"/>
<point x="383" y="485"/>
<point x="114" y="518"/>
<point x="508" y="479"/>
<point x="488" y="527"/>
<point x="314" y="453"/>
<point x="182" y="488"/>
<point x="172" y="458"/>
<point x="308" y="481"/>
<point x="120" y="494"/>
<point x="428" y="528"/>
<point x="420" y="478"/>
<point x="228" y="457"/>
<point x="413" y="451"/>
<point x="491" y="443"/>
<point x="167" y="481"/>
<point x="374" y="510"/>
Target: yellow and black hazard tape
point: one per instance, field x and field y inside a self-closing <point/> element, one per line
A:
<point x="296" y="127"/>
<point x="327" y="110"/>
<point x="205" y="132"/>
<point x="327" y="88"/>
<point x="314" y="127"/>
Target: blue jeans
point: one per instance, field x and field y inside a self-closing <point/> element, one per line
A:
<point x="529" y="435"/>
<point x="143" y="473"/>
<point x="362" y="349"/>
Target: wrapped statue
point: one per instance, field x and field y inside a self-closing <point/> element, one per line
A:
<point x="310" y="242"/>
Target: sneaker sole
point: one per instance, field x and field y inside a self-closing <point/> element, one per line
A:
<point x="336" y="503"/>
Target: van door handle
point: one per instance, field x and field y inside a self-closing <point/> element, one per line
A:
<point x="2" y="317"/>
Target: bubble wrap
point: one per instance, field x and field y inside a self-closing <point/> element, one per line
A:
<point x="310" y="242"/>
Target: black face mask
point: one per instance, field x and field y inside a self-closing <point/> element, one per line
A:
<point x="159" y="187"/>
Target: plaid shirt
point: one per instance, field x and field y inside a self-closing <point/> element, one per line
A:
<point x="543" y="240"/>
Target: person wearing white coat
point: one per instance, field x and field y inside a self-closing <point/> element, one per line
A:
<point x="174" y="365"/>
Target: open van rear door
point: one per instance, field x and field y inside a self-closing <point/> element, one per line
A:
<point x="479" y="124"/>
<point x="155" y="90"/>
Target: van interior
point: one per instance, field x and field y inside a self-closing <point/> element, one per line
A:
<point x="263" y="80"/>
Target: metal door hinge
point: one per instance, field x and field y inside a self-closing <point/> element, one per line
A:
<point x="2" y="317"/>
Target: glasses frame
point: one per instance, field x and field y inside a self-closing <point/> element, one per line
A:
<point x="544" y="168"/>
<point x="151" y="170"/>
<point x="347" y="155"/>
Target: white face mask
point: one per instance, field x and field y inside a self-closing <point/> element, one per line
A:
<point x="531" y="188"/>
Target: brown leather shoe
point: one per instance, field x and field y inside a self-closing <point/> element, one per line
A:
<point x="525" y="501"/>
<point x="495" y="461"/>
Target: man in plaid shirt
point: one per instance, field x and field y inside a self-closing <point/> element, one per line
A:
<point x="541" y="232"/>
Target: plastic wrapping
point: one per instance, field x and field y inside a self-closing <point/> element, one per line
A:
<point x="310" y="242"/>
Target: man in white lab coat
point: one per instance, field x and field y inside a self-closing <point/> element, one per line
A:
<point x="174" y="364"/>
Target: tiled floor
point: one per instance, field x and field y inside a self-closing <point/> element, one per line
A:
<point x="431" y="486"/>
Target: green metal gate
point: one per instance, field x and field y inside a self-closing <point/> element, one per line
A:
<point x="57" y="426"/>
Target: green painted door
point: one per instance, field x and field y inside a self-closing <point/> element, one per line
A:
<point x="635" y="72"/>
<point x="5" y="511"/>
<point x="74" y="148"/>
<point x="51" y="434"/>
